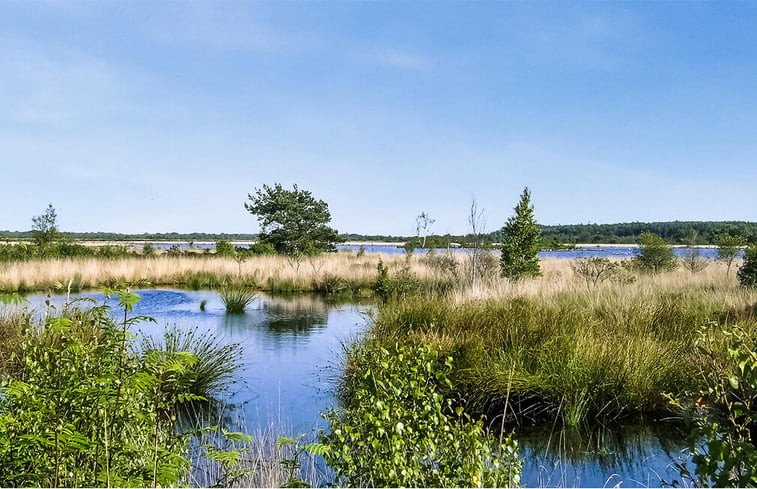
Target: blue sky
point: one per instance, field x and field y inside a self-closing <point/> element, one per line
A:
<point x="150" y="117"/>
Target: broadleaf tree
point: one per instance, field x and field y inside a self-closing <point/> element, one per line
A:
<point x="45" y="226"/>
<point x="292" y="221"/>
<point x="655" y="254"/>
<point x="521" y="242"/>
<point x="729" y="247"/>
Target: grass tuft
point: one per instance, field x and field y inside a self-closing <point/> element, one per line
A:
<point x="236" y="299"/>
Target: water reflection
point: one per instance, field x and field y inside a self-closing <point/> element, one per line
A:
<point x="634" y="455"/>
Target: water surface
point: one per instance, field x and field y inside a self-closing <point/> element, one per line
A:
<point x="292" y="359"/>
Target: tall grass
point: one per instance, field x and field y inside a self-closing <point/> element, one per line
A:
<point x="550" y="347"/>
<point x="236" y="299"/>
<point x="268" y="272"/>
<point x="216" y="363"/>
<point x="13" y="323"/>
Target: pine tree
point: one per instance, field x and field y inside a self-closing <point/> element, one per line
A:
<point x="522" y="242"/>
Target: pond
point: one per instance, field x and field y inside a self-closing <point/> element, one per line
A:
<point x="291" y="363"/>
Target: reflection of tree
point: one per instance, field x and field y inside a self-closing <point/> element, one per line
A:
<point x="283" y="319"/>
<point x="625" y="447"/>
<point x="280" y="317"/>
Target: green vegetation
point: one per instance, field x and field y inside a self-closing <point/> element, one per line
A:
<point x="236" y="298"/>
<point x="595" y="270"/>
<point x="655" y="255"/>
<point x="212" y="373"/>
<point x="400" y="428"/>
<point x="83" y="411"/>
<point x="28" y="252"/>
<point x="679" y="232"/>
<point x="747" y="274"/>
<point x="292" y="221"/>
<point x="576" y="356"/>
<point x="80" y="407"/>
<point x="722" y="444"/>
<point x="729" y="247"/>
<point x="521" y="242"/>
<point x="45" y="227"/>
<point x="224" y="248"/>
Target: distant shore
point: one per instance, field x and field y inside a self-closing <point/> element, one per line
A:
<point x="204" y="244"/>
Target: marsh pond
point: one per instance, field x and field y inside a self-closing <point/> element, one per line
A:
<point x="292" y="360"/>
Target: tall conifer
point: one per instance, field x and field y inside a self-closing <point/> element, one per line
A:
<point x="521" y="242"/>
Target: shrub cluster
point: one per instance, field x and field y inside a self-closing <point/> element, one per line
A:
<point x="399" y="428"/>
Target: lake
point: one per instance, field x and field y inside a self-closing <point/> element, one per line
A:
<point x="291" y="364"/>
<point x="584" y="252"/>
<point x="614" y="251"/>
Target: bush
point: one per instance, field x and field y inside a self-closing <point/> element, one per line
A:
<point x="148" y="251"/>
<point x="748" y="271"/>
<point x="655" y="255"/>
<point x="261" y="248"/>
<point x="85" y="412"/>
<point x="595" y="270"/>
<point x="722" y="445"/>
<point x="399" y="429"/>
<point x="224" y="248"/>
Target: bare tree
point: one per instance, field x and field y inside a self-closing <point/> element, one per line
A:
<point x="693" y="261"/>
<point x="423" y="224"/>
<point x="595" y="270"/>
<point x="477" y="223"/>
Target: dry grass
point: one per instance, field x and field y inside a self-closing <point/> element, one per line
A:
<point x="265" y="272"/>
<point x="164" y="270"/>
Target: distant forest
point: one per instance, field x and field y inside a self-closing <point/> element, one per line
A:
<point x="675" y="232"/>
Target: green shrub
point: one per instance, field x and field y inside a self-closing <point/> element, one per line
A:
<point x="261" y="248"/>
<point x="224" y="248"/>
<point x="655" y="255"/>
<point x="85" y="412"/>
<point x="148" y="251"/>
<point x="399" y="429"/>
<point x="748" y="271"/>
<point x="723" y="444"/>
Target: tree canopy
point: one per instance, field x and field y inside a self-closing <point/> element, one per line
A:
<point x="292" y="221"/>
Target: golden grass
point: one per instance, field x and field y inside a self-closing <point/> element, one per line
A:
<point x="164" y="270"/>
<point x="557" y="275"/>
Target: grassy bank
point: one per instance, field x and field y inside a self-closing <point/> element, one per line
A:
<point x="329" y="273"/>
<point x="552" y="347"/>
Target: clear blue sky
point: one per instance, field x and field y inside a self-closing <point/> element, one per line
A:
<point x="150" y="117"/>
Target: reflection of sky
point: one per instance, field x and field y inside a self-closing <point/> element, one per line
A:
<point x="291" y="347"/>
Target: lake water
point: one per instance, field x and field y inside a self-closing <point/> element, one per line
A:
<point x="586" y="252"/>
<point x="292" y="359"/>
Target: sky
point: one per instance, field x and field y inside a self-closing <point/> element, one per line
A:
<point x="162" y="116"/>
